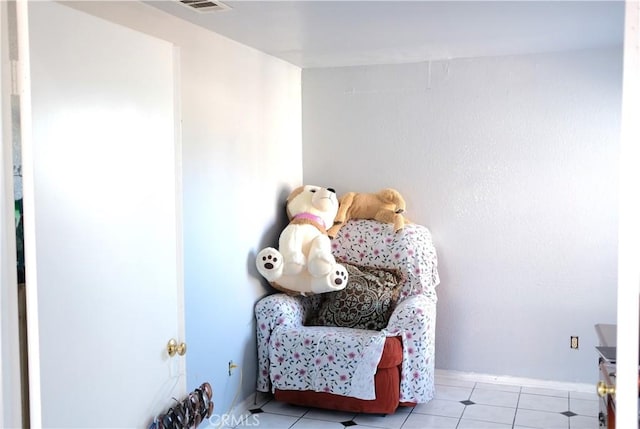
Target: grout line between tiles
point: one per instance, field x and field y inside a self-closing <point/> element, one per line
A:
<point x="465" y="407"/>
<point x="513" y="424"/>
<point x="405" y="419"/>
<point x="299" y="418"/>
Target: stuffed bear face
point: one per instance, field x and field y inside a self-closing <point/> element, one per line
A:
<point x="314" y="200"/>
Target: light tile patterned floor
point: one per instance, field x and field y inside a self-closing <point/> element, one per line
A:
<point x="458" y="404"/>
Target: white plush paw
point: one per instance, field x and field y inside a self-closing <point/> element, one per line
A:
<point x="339" y="277"/>
<point x="336" y="280"/>
<point x="269" y="263"/>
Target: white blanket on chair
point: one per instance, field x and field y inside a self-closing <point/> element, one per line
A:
<point x="341" y="361"/>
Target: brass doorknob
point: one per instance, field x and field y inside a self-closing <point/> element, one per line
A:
<point x="173" y="347"/>
<point x="604" y="389"/>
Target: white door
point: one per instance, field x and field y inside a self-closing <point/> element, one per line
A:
<point x="102" y="202"/>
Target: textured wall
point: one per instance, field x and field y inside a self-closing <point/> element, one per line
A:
<point x="512" y="163"/>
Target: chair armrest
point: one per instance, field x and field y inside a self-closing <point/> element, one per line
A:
<point x="414" y="320"/>
<point x="411" y="314"/>
<point x="271" y="312"/>
<point x="280" y="309"/>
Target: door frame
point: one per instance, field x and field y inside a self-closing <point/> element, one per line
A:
<point x="10" y="382"/>
<point x="629" y="225"/>
<point x="24" y="85"/>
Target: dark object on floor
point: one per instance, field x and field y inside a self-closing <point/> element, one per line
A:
<point x="189" y="413"/>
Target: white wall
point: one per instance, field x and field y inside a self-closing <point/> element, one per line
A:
<point x="512" y="163"/>
<point x="242" y="154"/>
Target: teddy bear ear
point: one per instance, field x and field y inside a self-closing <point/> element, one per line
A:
<point x="297" y="191"/>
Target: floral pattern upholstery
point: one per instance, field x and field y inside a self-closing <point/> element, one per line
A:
<point x="374" y="244"/>
<point x="288" y="351"/>
<point x="326" y="359"/>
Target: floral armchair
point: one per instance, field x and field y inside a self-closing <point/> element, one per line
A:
<point x="352" y="369"/>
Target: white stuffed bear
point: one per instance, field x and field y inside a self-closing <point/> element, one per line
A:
<point x="304" y="263"/>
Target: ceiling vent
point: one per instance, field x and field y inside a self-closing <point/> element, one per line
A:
<point x="204" y="6"/>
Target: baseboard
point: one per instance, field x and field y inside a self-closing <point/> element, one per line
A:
<point x="254" y="400"/>
<point x="517" y="381"/>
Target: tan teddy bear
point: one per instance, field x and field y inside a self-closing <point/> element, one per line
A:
<point x="386" y="206"/>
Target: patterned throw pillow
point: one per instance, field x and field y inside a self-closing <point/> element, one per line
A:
<point x="365" y="303"/>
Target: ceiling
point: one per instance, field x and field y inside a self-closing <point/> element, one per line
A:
<point x="324" y="33"/>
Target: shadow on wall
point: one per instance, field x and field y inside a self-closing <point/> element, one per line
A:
<point x="270" y="237"/>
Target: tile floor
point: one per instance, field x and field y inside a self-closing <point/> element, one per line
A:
<point x="458" y="404"/>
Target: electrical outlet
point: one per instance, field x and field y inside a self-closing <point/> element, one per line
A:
<point x="574" y="343"/>
<point x="232" y="366"/>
